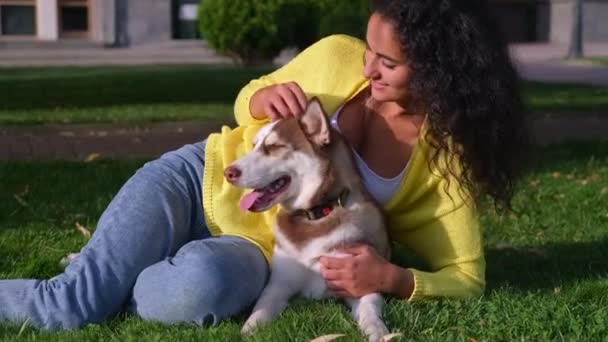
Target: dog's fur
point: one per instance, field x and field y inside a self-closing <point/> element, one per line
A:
<point x="317" y="161"/>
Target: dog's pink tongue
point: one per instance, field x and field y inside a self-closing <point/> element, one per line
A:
<point x="248" y="200"/>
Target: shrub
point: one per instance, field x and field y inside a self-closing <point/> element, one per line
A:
<point x="298" y="23"/>
<point x="253" y="31"/>
<point x="242" y="29"/>
<point x="343" y="16"/>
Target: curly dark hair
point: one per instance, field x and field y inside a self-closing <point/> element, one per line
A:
<point x="463" y="78"/>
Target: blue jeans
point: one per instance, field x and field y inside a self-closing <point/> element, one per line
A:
<point x="151" y="253"/>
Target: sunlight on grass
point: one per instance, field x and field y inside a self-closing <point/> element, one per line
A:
<point x="555" y="97"/>
<point x="135" y="113"/>
<point x="547" y="272"/>
<point x="178" y="93"/>
<point x="121" y="94"/>
<point x="598" y="60"/>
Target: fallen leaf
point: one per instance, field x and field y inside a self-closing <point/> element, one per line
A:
<point x="19" y="196"/>
<point x="604" y="190"/>
<point x="83" y="230"/>
<point x="25" y="191"/>
<point x="556" y="174"/>
<point x="91" y="157"/>
<point x="327" y="338"/>
<point x="389" y="337"/>
<point x="20" y="200"/>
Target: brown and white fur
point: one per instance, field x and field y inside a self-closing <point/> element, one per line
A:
<point x="298" y="163"/>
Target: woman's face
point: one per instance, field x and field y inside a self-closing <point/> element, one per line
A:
<point x="384" y="61"/>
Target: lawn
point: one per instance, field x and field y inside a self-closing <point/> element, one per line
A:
<point x="120" y="93"/>
<point x="599" y="60"/>
<point x="180" y="93"/>
<point x="547" y="271"/>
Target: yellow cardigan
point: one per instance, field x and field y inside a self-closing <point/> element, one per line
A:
<point x="427" y="214"/>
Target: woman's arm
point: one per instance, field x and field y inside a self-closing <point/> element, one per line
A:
<point x="364" y="273"/>
<point x="330" y="69"/>
<point x="448" y="244"/>
<point x="451" y="245"/>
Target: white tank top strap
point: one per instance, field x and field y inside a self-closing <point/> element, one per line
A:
<point x="380" y="188"/>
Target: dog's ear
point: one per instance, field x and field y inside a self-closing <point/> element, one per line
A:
<point x="315" y="124"/>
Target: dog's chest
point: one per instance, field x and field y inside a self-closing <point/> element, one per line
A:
<point x="315" y="287"/>
<point x="299" y="247"/>
<point x="309" y="251"/>
<point x="301" y="273"/>
<point x="302" y="261"/>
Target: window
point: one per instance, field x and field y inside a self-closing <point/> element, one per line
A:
<point x="74" y="18"/>
<point x="17" y="18"/>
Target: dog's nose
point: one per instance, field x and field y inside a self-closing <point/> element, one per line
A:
<point x="232" y="173"/>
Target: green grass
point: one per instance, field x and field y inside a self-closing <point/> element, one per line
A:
<point x="547" y="271"/>
<point x="566" y="98"/>
<point x="599" y="60"/>
<point x="177" y="93"/>
<point x="121" y="93"/>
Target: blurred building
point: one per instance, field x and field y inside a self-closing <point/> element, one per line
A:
<point x="109" y="22"/>
<point x="550" y="20"/>
<point x="133" y="22"/>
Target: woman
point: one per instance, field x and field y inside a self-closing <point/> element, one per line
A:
<point x="431" y="108"/>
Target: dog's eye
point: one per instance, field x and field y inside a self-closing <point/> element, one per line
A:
<point x="273" y="147"/>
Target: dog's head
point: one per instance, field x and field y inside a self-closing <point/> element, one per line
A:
<point x="288" y="164"/>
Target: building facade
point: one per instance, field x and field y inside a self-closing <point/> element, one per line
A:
<point x="132" y="22"/>
<point x="108" y="22"/>
<point x="550" y="20"/>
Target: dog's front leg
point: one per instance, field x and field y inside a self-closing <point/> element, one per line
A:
<point x="272" y="302"/>
<point x="367" y="312"/>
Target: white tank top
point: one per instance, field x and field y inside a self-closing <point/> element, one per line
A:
<point x="380" y="188"/>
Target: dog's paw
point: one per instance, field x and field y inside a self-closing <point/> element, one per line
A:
<point x="254" y="321"/>
<point x="248" y="328"/>
<point x="375" y="331"/>
<point x="251" y="324"/>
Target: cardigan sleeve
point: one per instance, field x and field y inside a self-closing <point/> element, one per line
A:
<point x="329" y="69"/>
<point x="439" y="222"/>
<point x="452" y="247"/>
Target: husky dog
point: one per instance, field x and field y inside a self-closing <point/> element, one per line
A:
<point x="305" y="166"/>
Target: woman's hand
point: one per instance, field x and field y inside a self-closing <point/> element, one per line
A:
<point x="365" y="272"/>
<point x="278" y="101"/>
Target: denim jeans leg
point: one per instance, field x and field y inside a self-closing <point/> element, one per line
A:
<point x="207" y="281"/>
<point x="156" y="212"/>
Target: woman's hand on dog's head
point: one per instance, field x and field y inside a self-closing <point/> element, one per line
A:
<point x="278" y="101"/>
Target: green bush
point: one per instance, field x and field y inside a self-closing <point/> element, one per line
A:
<point x="343" y="16"/>
<point x="254" y="31"/>
<point x="298" y="23"/>
<point x="242" y="29"/>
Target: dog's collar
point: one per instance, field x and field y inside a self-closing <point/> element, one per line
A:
<point x="326" y="207"/>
